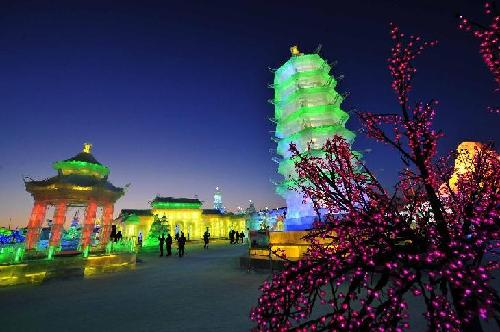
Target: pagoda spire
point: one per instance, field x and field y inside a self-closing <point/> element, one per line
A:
<point x="295" y="50"/>
<point x="87" y="148"/>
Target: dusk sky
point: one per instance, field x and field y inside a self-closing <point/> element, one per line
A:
<point x="173" y="94"/>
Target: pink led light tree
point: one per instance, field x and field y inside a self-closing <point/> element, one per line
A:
<point x="375" y="250"/>
<point x="489" y="41"/>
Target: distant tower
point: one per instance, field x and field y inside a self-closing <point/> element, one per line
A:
<point x="251" y="208"/>
<point x="307" y="109"/>
<point x="218" y="200"/>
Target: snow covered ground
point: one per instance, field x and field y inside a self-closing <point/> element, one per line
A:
<point x="203" y="291"/>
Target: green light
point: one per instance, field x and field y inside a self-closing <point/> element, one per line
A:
<point x="52" y="250"/>
<point x="19" y="255"/>
<point x="322" y="130"/>
<point x="11" y="253"/>
<point x="176" y="205"/>
<point x="318" y="135"/>
<point x="132" y="219"/>
<point x="124" y="245"/>
<point x="109" y="247"/>
<point x="319" y="74"/>
<point x="86" y="251"/>
<point x="325" y="114"/>
<point x="308" y="112"/>
<point x="81" y="167"/>
<point x="305" y="62"/>
<point x="326" y="92"/>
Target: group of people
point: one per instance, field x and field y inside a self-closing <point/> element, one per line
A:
<point x="115" y="236"/>
<point x="235" y="237"/>
<point x="181" y="242"/>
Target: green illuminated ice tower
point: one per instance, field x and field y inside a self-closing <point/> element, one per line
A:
<point x="307" y="110"/>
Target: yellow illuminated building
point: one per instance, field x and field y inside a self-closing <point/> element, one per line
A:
<point x="464" y="163"/>
<point x="180" y="215"/>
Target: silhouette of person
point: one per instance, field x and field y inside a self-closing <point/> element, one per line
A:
<point x="169" y="245"/>
<point x="231" y="236"/>
<point x="118" y="236"/>
<point x="242" y="236"/>
<point x="181" y="242"/>
<point x="112" y="236"/>
<point x="162" y="240"/>
<point x="206" y="239"/>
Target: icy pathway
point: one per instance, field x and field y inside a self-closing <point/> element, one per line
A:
<point x="203" y="291"/>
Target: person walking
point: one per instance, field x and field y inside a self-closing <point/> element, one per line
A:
<point x="181" y="242"/>
<point x="162" y="241"/>
<point x="206" y="239"/>
<point x="231" y="236"/>
<point x="242" y="237"/>
<point x="169" y="245"/>
<point x="139" y="239"/>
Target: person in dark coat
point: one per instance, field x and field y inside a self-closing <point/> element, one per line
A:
<point x="162" y="240"/>
<point x="112" y="236"/>
<point x="206" y="239"/>
<point x="118" y="236"/>
<point x="169" y="245"/>
<point x="231" y="236"/>
<point x="242" y="237"/>
<point x="181" y="242"/>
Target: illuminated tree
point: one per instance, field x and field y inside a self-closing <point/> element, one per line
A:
<point x="489" y="41"/>
<point x="74" y="231"/>
<point x="375" y="250"/>
<point x="158" y="227"/>
<point x="8" y="236"/>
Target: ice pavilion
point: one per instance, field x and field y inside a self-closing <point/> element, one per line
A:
<point x="81" y="181"/>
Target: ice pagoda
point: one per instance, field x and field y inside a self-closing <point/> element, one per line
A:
<point x="307" y="110"/>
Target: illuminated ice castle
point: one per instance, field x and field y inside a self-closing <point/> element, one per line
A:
<point x="307" y="110"/>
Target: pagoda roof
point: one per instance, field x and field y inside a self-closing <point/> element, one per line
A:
<point x="176" y="200"/>
<point x="137" y="212"/>
<point x="85" y="157"/>
<point x="175" y="203"/>
<point x="77" y="180"/>
<point x="84" y="163"/>
<point x="211" y="211"/>
<point x="74" y="187"/>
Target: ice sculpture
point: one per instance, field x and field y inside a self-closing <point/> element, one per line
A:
<point x="307" y="111"/>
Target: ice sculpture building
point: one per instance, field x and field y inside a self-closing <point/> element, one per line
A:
<point x="307" y="110"/>
<point x="218" y="201"/>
